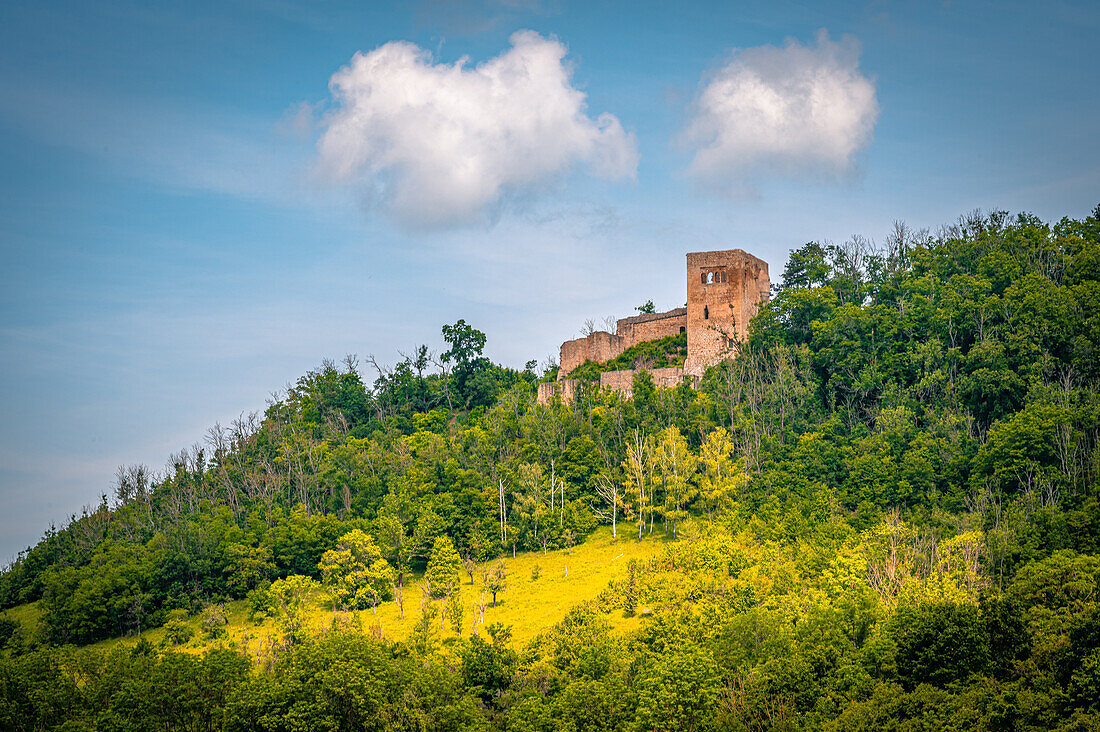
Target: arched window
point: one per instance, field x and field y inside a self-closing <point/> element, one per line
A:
<point x="703" y="278"/>
<point x="683" y="329"/>
<point x="723" y="276"/>
<point x="706" y="313"/>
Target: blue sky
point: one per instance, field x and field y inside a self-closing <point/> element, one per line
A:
<point x="191" y="217"/>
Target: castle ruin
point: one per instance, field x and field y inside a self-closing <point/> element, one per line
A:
<point x="724" y="289"/>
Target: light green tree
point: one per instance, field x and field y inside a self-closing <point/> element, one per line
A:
<point x="355" y="573"/>
<point x="720" y="476"/>
<point x="444" y="573"/>
<point x="403" y="534"/>
<point x="638" y="470"/>
<point x="496" y="580"/>
<point x="676" y="464"/>
<point x="535" y="504"/>
<point x="288" y="598"/>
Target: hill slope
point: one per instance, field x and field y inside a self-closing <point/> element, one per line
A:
<point x="886" y="510"/>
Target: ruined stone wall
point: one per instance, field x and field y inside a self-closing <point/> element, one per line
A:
<point x="623" y="381"/>
<point x="724" y="290"/>
<point x="651" y="326"/>
<point x="564" y="388"/>
<point x="599" y="346"/>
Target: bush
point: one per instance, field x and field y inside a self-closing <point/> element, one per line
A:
<point x="213" y="622"/>
<point x="176" y="630"/>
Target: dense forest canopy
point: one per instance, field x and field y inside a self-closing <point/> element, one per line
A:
<point x="892" y="495"/>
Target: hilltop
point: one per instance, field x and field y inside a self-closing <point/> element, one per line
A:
<point x="882" y="510"/>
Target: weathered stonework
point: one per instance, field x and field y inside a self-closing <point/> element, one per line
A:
<point x="599" y="346"/>
<point x="651" y="326"/>
<point x="603" y="346"/>
<point x="724" y="290"/>
<point x="623" y="381"/>
<point x="564" y="388"/>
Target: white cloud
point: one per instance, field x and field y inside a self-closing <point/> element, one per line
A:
<point x="796" y="111"/>
<point x="439" y="144"/>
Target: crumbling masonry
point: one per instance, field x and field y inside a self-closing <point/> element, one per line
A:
<point x="724" y="290"/>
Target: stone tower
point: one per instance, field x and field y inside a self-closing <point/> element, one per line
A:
<point x="723" y="291"/>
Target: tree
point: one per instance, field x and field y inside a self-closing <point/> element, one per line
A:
<point x="646" y="307"/>
<point x="355" y="573"/>
<point x="720" y="475"/>
<point x="678" y="691"/>
<point x="677" y="466"/>
<point x="807" y="267"/>
<point x="466" y="344"/>
<point x="288" y="599"/>
<point x="401" y="537"/>
<point x="444" y="573"/>
<point x="496" y="580"/>
<point x="608" y="490"/>
<point x="487" y="669"/>
<point x="247" y="567"/>
<point x="940" y="643"/>
<point x="455" y="610"/>
<point x="535" y="504"/>
<point x="638" y="469"/>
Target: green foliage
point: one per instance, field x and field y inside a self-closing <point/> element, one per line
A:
<point x="487" y="668"/>
<point x="213" y="622"/>
<point x="355" y="573"/>
<point x="444" y="573"/>
<point x="678" y="691"/>
<point x="496" y="580"/>
<point x="940" y="644"/>
<point x="176" y="630"/>
<point x="289" y="599"/>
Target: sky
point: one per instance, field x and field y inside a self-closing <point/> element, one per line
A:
<point x="201" y="201"/>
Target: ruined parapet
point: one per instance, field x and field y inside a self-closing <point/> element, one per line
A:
<point x="651" y="326"/>
<point x="724" y="291"/>
<point x="623" y="381"/>
<point x="564" y="389"/>
<point x="599" y="346"/>
<point x="603" y="346"/>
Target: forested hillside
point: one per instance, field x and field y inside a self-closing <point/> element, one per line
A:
<point x="883" y="514"/>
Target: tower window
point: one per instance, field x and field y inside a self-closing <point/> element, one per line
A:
<point x="710" y="277"/>
<point x="706" y="313"/>
<point x="723" y="276"/>
<point x="703" y="278"/>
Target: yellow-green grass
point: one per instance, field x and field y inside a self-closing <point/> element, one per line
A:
<point x="568" y="577"/>
<point x="28" y="616"/>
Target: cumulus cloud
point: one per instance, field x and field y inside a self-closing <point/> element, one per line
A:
<point x="796" y="111"/>
<point x="437" y="145"/>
